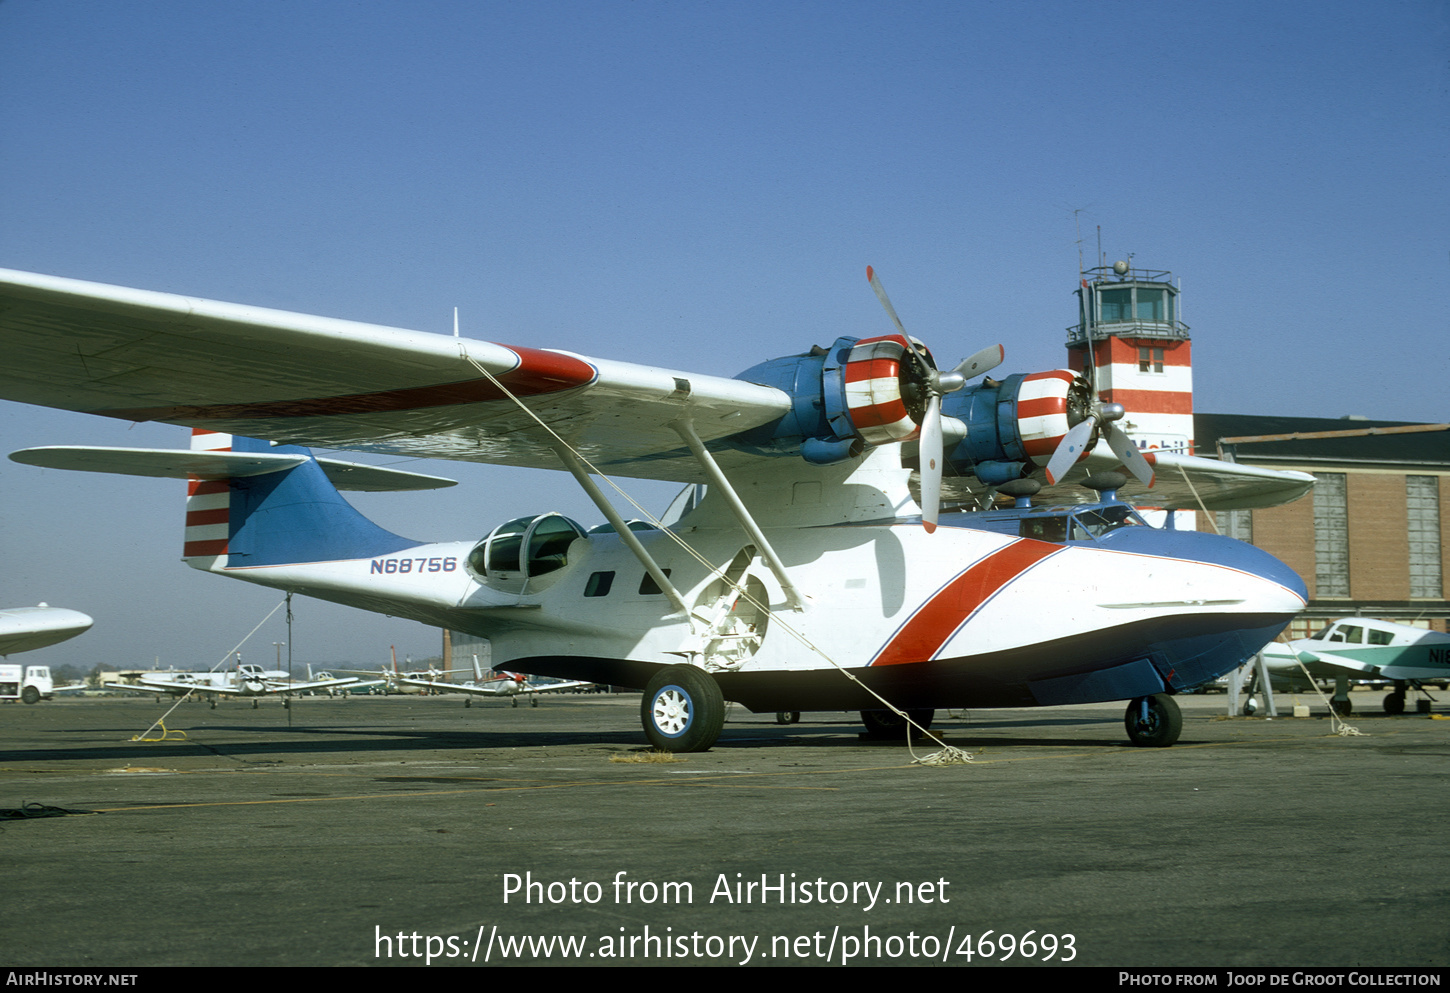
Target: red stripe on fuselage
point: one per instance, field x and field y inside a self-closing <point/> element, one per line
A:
<point x="921" y="637"/>
<point x="538" y="372"/>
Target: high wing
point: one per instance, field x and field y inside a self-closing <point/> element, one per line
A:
<point x="1181" y="482"/>
<point x="320" y="382"/>
<point x="316" y="381"/>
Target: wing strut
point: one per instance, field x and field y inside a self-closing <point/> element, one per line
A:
<point x="742" y="514"/>
<point x="572" y="463"/>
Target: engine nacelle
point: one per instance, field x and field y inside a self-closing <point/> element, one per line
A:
<point x="1015" y="424"/>
<point x="869" y="392"/>
<point x="859" y="392"/>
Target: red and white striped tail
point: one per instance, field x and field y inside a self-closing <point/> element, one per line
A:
<point x="208" y="508"/>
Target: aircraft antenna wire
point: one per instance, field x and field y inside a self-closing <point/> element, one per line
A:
<point x="948" y="755"/>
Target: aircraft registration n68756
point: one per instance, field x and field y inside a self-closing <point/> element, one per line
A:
<point x="808" y="564"/>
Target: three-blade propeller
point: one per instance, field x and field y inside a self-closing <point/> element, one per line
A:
<point x="936" y="384"/>
<point x="1102" y="417"/>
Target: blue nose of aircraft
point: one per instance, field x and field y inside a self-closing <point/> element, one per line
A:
<point x="1213" y="549"/>
<point x="1273" y="595"/>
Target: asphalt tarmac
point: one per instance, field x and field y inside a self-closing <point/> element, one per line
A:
<point x="415" y="831"/>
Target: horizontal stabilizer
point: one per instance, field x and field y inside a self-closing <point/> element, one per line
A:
<point x="177" y="464"/>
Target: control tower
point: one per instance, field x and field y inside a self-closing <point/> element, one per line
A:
<point x="1137" y="352"/>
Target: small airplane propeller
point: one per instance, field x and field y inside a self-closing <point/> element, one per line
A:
<point x="935" y="384"/>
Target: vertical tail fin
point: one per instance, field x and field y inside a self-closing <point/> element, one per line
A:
<point x="276" y="516"/>
<point x="249" y="503"/>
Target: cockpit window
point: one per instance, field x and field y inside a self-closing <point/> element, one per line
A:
<point x="1104" y="519"/>
<point x="1081" y="526"/>
<point x="1044" y="528"/>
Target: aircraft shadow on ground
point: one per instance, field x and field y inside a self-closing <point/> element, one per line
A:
<point x="331" y="740"/>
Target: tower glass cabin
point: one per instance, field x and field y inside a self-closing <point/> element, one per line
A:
<point x="1135" y="348"/>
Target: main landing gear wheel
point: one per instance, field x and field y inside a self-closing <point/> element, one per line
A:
<point x="682" y="710"/>
<point x="887" y="724"/>
<point x="1153" y="721"/>
<point x="787" y="717"/>
<point x="1395" y="703"/>
<point x="1341" y="707"/>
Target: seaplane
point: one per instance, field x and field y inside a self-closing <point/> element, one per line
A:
<point x="858" y="528"/>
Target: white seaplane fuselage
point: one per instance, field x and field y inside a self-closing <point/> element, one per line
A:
<point x="967" y="616"/>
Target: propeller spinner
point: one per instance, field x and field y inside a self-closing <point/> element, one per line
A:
<point x="935" y="384"/>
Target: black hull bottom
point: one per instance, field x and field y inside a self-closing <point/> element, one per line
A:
<point x="1165" y="654"/>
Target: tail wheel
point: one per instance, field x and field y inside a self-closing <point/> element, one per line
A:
<point x="884" y="724"/>
<point x="1153" y="721"/>
<point x="682" y="710"/>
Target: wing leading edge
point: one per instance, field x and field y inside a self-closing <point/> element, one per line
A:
<point x="322" y="382"/>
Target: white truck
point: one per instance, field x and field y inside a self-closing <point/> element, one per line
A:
<point x="28" y="683"/>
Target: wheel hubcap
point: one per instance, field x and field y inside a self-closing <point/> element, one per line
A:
<point x="671" y="711"/>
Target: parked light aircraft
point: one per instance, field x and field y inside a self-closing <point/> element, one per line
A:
<point x="245" y="679"/>
<point x="800" y="570"/>
<point x="505" y="684"/>
<point x="1365" y="648"/>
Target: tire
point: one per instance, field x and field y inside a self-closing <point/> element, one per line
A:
<point x="886" y="724"/>
<point x="787" y="717"/>
<point x="30" y="695"/>
<point x="1343" y="707"/>
<point x="1394" y="704"/>
<point x="682" y="710"/>
<point x="1162" y="725"/>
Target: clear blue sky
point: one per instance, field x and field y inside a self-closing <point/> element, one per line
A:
<point x="700" y="186"/>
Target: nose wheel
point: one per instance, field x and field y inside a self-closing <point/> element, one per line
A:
<point x="1153" y="721"/>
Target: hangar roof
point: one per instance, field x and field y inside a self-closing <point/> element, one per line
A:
<point x="1323" y="441"/>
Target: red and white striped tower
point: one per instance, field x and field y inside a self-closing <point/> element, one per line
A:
<point x="1141" y="354"/>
